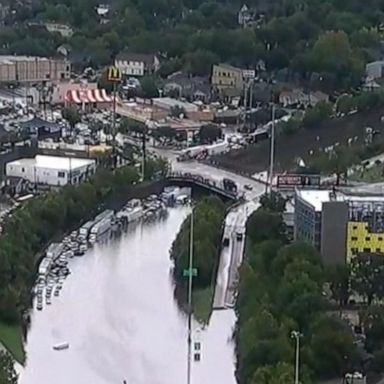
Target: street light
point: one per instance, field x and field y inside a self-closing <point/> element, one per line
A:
<point x="190" y="273"/>
<point x="296" y="335"/>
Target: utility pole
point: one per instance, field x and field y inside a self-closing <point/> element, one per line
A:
<point x="190" y="278"/>
<point x="114" y="76"/>
<point x="114" y="127"/>
<point x="272" y="150"/>
<point x="251" y="95"/>
<point x="297" y="335"/>
<point x="245" y="104"/>
<point x="143" y="148"/>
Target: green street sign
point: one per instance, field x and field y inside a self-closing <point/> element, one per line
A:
<point x="192" y="271"/>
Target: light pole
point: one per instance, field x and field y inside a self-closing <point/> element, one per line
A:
<point x="272" y="150"/>
<point x="297" y="335"/>
<point x="190" y="278"/>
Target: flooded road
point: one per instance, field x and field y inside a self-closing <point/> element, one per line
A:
<point x="118" y="314"/>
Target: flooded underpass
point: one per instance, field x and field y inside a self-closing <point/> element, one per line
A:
<point x="118" y="315"/>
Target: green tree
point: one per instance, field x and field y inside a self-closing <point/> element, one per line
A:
<point x="338" y="278"/>
<point x="331" y="344"/>
<point x="7" y="371"/>
<point x="372" y="319"/>
<point x="337" y="162"/>
<point x="71" y="114"/>
<point x="265" y="225"/>
<point x="200" y="62"/>
<point x="261" y="342"/>
<point x="273" y="202"/>
<point x="367" y="276"/>
<point x="209" y="216"/>
<point x="345" y="104"/>
<point x="332" y="54"/>
<point x="148" y="87"/>
<point x="316" y="115"/>
<point x="274" y="374"/>
<point x="290" y="127"/>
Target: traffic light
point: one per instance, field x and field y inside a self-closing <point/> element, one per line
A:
<point x="114" y="74"/>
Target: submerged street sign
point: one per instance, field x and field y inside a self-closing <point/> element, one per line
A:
<point x="192" y="271"/>
<point x="297" y="180"/>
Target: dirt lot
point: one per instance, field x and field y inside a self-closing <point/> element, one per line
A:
<point x="255" y="158"/>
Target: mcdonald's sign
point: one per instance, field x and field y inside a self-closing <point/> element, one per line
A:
<point x="114" y="74"/>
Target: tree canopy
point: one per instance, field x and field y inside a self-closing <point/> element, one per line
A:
<point x="209" y="214"/>
<point x="330" y="39"/>
<point x="8" y="374"/>
<point x="281" y="290"/>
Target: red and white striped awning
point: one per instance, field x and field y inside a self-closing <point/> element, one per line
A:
<point x="88" y="96"/>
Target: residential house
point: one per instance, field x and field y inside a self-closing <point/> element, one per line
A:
<point x="227" y="81"/>
<point x="79" y="60"/>
<point x="375" y="69"/>
<point x="244" y="16"/>
<point x="137" y="64"/>
<point x="297" y="97"/>
<point x="194" y="88"/>
<point x="63" y="29"/>
<point x="102" y="10"/>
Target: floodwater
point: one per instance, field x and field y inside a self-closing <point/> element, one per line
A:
<point x="118" y="314"/>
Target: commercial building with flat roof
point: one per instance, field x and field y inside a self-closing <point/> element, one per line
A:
<point x="340" y="225"/>
<point x="24" y="69"/>
<point x="52" y="170"/>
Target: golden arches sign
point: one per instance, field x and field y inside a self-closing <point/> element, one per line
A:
<point x="114" y="74"/>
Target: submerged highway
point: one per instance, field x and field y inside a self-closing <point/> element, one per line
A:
<point x="119" y="316"/>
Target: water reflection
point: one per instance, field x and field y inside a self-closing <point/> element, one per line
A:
<point x="119" y="316"/>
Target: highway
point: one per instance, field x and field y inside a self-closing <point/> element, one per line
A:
<point x="231" y="255"/>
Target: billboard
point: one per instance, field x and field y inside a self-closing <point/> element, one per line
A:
<point x="301" y="181"/>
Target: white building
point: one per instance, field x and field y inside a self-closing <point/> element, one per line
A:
<point x="52" y="170"/>
<point x="136" y="64"/>
<point x="375" y="69"/>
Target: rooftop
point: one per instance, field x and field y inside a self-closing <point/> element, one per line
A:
<point x="316" y="198"/>
<point x="169" y="102"/>
<point x="146" y="58"/>
<point x="54" y="162"/>
<point x="10" y="59"/>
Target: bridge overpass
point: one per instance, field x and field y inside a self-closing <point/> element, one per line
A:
<point x="186" y="178"/>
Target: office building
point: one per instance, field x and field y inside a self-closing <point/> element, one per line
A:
<point x="339" y="225"/>
<point x="52" y="170"/>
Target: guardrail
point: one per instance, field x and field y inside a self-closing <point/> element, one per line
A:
<point x="203" y="181"/>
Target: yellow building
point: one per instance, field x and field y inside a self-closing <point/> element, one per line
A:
<point x="226" y="77"/>
<point x="361" y="239"/>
